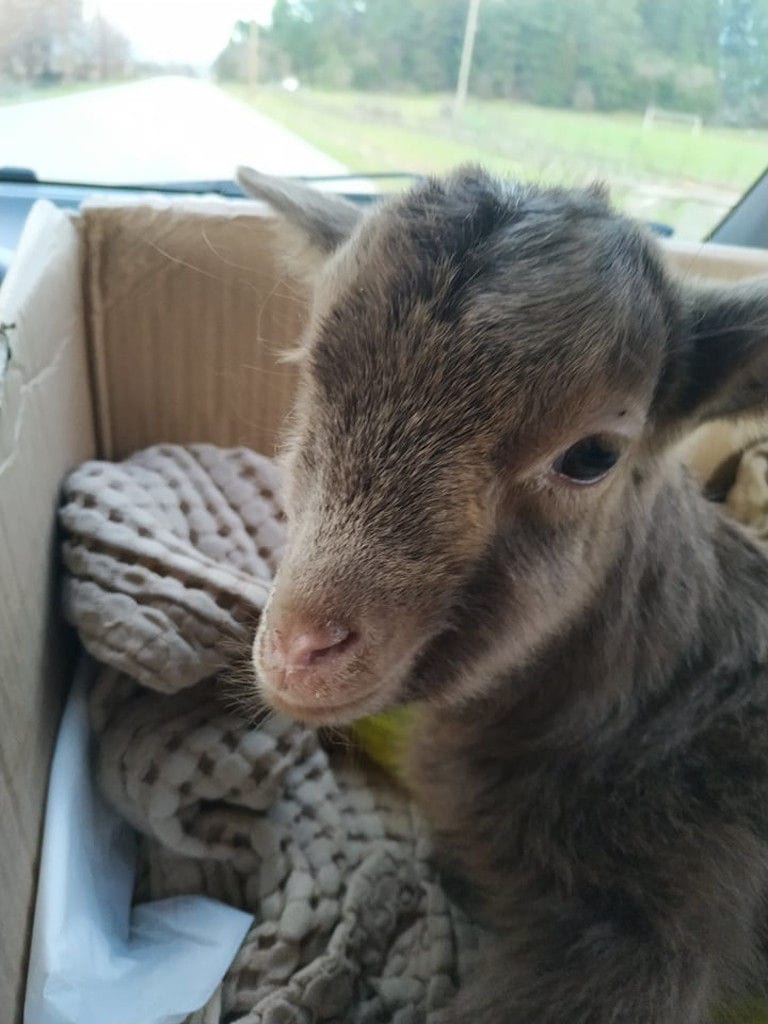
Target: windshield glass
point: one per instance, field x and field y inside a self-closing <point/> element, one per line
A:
<point x="665" y="101"/>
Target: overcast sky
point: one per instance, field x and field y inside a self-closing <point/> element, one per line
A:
<point x="193" y="31"/>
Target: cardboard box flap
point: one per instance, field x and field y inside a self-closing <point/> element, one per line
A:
<point x="38" y="334"/>
<point x="715" y="262"/>
<point x="189" y="309"/>
<point x="46" y="428"/>
<point x="188" y="313"/>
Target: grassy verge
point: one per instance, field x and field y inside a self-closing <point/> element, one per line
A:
<point x="30" y="94"/>
<point x="665" y="172"/>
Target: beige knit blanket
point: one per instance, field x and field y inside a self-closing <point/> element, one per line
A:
<point x="168" y="560"/>
<point x="169" y="557"/>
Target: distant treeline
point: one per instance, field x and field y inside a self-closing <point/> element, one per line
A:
<point x="49" y="41"/>
<point x="708" y="57"/>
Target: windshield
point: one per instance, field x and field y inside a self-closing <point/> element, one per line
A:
<point x="665" y="101"/>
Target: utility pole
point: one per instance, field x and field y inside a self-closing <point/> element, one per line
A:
<point x="466" y="59"/>
<point x="252" y="47"/>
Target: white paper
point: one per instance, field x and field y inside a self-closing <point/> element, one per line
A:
<point x="95" y="959"/>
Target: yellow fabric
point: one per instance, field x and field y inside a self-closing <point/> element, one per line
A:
<point x="384" y="737"/>
<point x="749" y="1011"/>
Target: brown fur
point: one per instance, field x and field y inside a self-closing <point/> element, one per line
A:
<point x="593" y="659"/>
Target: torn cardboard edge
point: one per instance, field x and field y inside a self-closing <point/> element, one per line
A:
<point x="46" y="428"/>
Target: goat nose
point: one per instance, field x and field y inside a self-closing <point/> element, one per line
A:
<point x="306" y="646"/>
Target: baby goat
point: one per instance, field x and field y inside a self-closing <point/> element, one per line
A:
<point x="487" y="515"/>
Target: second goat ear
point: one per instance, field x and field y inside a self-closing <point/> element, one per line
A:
<point x="717" y="365"/>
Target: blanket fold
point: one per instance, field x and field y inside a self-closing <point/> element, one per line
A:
<point x="169" y="557"/>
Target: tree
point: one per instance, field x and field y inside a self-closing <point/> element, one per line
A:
<point x="609" y="54"/>
<point x="558" y="50"/>
<point x="38" y="38"/>
<point x="108" y="49"/>
<point x="685" y="31"/>
<point x="743" y="66"/>
<point x="49" y="40"/>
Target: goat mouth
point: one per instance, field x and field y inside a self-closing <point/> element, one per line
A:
<point x="323" y="713"/>
<point x="386" y="691"/>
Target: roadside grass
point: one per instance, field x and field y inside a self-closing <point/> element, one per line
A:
<point x="10" y="94"/>
<point x="663" y="173"/>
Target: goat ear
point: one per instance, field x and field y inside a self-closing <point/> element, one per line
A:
<point x="718" y="364"/>
<point x="600" y="190"/>
<point x="312" y="223"/>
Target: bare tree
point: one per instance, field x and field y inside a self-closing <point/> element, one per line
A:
<point x="48" y="40"/>
<point x="38" y="38"/>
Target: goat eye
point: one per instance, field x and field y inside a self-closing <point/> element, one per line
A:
<point x="587" y="461"/>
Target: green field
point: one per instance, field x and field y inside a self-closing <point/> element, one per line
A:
<point x="663" y="173"/>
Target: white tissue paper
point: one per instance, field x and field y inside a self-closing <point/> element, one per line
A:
<point x="94" y="958"/>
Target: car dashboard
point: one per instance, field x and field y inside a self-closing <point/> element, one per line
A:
<point x="745" y="225"/>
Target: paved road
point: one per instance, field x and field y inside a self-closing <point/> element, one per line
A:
<point x="161" y="129"/>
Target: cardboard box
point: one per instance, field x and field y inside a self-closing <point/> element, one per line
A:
<point x="123" y="326"/>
